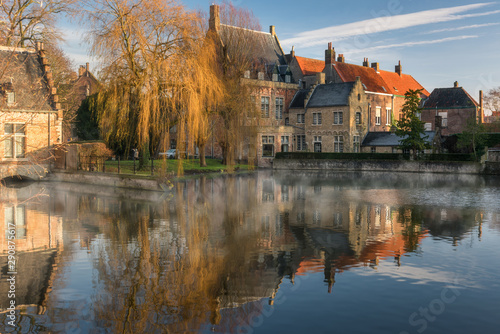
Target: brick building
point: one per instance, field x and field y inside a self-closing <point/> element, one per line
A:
<point x="329" y="117"/>
<point x="454" y="105"/>
<point x="272" y="89"/>
<point x="385" y="90"/>
<point x="30" y="112"/>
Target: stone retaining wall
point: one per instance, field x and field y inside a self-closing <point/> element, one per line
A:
<point x="379" y="165"/>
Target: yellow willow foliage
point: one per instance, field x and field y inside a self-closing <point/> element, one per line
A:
<point x="157" y="66"/>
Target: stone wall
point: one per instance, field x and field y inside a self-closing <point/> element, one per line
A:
<point x="383" y="166"/>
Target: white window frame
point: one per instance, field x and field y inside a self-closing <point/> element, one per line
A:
<point x="356" y="144"/>
<point x="264" y="106"/>
<point x="301" y="142"/>
<point x="377" y="115"/>
<point x="388" y="112"/>
<point x="301" y="118"/>
<point x="15" y="141"/>
<point x="278" y="111"/>
<point x="268" y="141"/>
<point x="338" y="117"/>
<point x="317" y="119"/>
<point x="338" y="144"/>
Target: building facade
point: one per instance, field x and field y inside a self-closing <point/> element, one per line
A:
<point x="30" y="113"/>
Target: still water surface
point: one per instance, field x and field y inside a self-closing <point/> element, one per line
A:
<point x="258" y="253"/>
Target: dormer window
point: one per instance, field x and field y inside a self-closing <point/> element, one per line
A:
<point x="288" y="78"/>
<point x="11" y="98"/>
<point x="246" y="75"/>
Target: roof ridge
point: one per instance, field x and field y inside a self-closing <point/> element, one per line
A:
<point x="258" y="31"/>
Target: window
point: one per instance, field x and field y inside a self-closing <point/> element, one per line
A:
<point x="288" y="78"/>
<point x="268" y="146"/>
<point x="275" y="77"/>
<point x="388" y="116"/>
<point x="11" y="98"/>
<point x="300" y="118"/>
<point x="444" y="119"/>
<point x="14" y="141"/>
<point x="373" y="149"/>
<point x="338" y="144"/>
<point x="264" y="106"/>
<point x="260" y="75"/>
<point x="316" y="118"/>
<point x="287" y="121"/>
<point x="301" y="142"/>
<point x="15" y="217"/>
<point x="355" y="144"/>
<point x="253" y="101"/>
<point x="358" y="118"/>
<point x="377" y="116"/>
<point x="246" y="75"/>
<point x="279" y="108"/>
<point x="428" y="127"/>
<point x="317" y="144"/>
<point x="338" y="117"/>
<point x="284" y="143"/>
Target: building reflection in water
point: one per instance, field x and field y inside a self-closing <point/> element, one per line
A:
<point x="211" y="253"/>
<point x="38" y="245"/>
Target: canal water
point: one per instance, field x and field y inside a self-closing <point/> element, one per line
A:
<point x="256" y="253"/>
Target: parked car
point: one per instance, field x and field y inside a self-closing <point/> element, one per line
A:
<point x="170" y="153"/>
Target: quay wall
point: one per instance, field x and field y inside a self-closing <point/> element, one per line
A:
<point x="383" y="166"/>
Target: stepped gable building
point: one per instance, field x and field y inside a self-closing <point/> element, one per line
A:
<point x="30" y="112"/>
<point x="273" y="87"/>
<point x="385" y="90"/>
<point x="329" y="117"/>
<point x="454" y="105"/>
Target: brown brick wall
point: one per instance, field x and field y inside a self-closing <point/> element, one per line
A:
<point x="457" y="119"/>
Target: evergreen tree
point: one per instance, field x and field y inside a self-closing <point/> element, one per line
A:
<point x="473" y="137"/>
<point x="410" y="128"/>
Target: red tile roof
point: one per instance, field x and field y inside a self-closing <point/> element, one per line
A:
<point x="399" y="85"/>
<point x="310" y="66"/>
<point x="372" y="82"/>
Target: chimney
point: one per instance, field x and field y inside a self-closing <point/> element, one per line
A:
<point x="292" y="53"/>
<point x="87" y="70"/>
<point x="376" y="67"/>
<point x="320" y="78"/>
<point x="214" y="21"/>
<point x="481" y="108"/>
<point x="399" y="69"/>
<point x="272" y="30"/>
<point x="329" y="55"/>
<point x="341" y="58"/>
<point x="81" y="71"/>
<point x="455" y="84"/>
<point x="365" y="62"/>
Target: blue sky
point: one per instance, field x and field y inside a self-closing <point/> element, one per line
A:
<point x="438" y="42"/>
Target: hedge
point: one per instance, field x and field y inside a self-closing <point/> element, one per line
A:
<point x="371" y="156"/>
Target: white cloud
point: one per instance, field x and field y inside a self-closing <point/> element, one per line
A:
<point x="384" y="23"/>
<point x="399" y="45"/>
<point x="474" y="26"/>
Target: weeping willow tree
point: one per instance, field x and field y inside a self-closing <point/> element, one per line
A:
<point x="157" y="69"/>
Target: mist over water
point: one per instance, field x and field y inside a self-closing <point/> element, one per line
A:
<point x="257" y="253"/>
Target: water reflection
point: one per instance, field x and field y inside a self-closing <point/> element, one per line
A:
<point x="206" y="256"/>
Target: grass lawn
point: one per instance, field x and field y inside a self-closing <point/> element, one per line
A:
<point x="191" y="166"/>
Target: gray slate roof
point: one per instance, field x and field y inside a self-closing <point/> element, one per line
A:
<point x="329" y="95"/>
<point x="24" y="71"/>
<point x="388" y="138"/>
<point x="299" y="98"/>
<point x="266" y="49"/>
<point x="455" y="97"/>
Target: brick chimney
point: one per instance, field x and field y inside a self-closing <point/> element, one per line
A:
<point x="292" y="53"/>
<point x="399" y="69"/>
<point x="272" y="30"/>
<point x="214" y="21"/>
<point x="81" y="71"/>
<point x="455" y="84"/>
<point x="341" y="58"/>
<point x="365" y="62"/>
<point x="329" y="55"/>
<point x="376" y="67"/>
<point x="87" y="66"/>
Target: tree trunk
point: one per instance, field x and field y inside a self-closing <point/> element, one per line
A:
<point x="201" y="148"/>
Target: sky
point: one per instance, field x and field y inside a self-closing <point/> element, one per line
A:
<point x="438" y="42"/>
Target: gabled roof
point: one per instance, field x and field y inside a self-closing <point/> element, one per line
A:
<point x="389" y="138"/>
<point x="310" y="66"/>
<point x="454" y="97"/>
<point x="266" y="50"/>
<point x="329" y="95"/>
<point x="22" y="73"/>
<point x="399" y="85"/>
<point x="371" y="80"/>
<point x="299" y="98"/>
